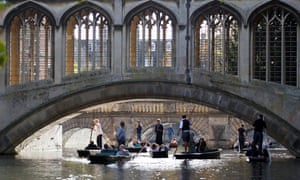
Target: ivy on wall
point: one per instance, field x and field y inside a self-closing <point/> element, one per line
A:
<point x="3" y="56"/>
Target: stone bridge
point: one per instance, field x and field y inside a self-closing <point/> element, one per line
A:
<point x="27" y="107"/>
<point x="29" y="110"/>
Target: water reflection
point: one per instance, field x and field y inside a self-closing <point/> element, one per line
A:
<point x="230" y="166"/>
<point x="257" y="170"/>
<point x="185" y="170"/>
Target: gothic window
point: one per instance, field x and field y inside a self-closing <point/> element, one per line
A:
<point x="88" y="42"/>
<point x="31" y="47"/>
<point x="152" y="39"/>
<point x="216" y="42"/>
<point x="275" y="46"/>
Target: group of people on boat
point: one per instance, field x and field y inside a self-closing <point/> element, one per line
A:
<point x="189" y="143"/>
<point x="256" y="147"/>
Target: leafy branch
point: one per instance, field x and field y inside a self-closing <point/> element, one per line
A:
<point x="3" y="56"/>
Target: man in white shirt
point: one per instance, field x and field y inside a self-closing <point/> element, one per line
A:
<point x="98" y="129"/>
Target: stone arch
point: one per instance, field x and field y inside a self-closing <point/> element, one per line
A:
<point x="23" y="6"/>
<point x="61" y="106"/>
<point x="146" y="5"/>
<point x="82" y="5"/>
<point x="213" y="4"/>
<point x="262" y="7"/>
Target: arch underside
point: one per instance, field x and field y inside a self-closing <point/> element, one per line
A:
<point x="242" y="108"/>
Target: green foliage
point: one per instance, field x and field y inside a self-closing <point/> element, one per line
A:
<point x="3" y="56"/>
<point x="81" y="1"/>
<point x="4" y="5"/>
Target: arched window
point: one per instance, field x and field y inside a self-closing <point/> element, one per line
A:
<point x="275" y="46"/>
<point x="31" y="47"/>
<point x="216" y="41"/>
<point x="152" y="39"/>
<point x="88" y="42"/>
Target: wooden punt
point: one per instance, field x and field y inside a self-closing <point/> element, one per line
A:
<point x="208" y="154"/>
<point x="257" y="159"/>
<point x="85" y="153"/>
<point x="137" y="150"/>
<point x="159" y="154"/>
<point x="108" y="159"/>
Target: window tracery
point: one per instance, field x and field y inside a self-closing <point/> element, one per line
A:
<point x="88" y="42"/>
<point x="216" y="42"/>
<point x="31" y="47"/>
<point x="152" y="39"/>
<point x="275" y="46"/>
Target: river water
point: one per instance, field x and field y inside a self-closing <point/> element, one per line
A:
<point x="231" y="166"/>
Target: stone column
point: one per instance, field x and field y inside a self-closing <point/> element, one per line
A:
<point x="180" y="39"/>
<point x="244" y="54"/>
<point x="59" y="55"/>
<point x="298" y="56"/>
<point x="118" y="57"/>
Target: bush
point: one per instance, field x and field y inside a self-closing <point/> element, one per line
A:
<point x="3" y="56"/>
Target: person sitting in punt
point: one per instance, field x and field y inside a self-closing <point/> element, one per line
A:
<point x="107" y="150"/>
<point x="130" y="143"/>
<point x="107" y="147"/>
<point x="253" y="152"/>
<point x="265" y="153"/>
<point x="92" y="145"/>
<point x="137" y="144"/>
<point x="145" y="143"/>
<point x="122" y="151"/>
<point x="173" y="143"/>
<point x="162" y="147"/>
<point x="154" y="147"/>
<point x="201" y="145"/>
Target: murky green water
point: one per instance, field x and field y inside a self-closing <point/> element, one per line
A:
<point x="231" y="166"/>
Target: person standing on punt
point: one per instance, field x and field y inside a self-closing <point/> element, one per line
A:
<point x="170" y="132"/>
<point x="184" y="126"/>
<point x="242" y="136"/>
<point x="121" y="134"/>
<point x="259" y="126"/>
<point x="159" y="129"/>
<point x="98" y="129"/>
<point x="139" y="129"/>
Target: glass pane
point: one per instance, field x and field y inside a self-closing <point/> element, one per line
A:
<point x="90" y="42"/>
<point x="151" y="39"/>
<point x="216" y="43"/>
<point x="31" y="33"/>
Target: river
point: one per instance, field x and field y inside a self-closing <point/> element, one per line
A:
<point x="231" y="166"/>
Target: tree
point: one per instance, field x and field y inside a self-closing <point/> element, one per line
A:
<point x="3" y="56"/>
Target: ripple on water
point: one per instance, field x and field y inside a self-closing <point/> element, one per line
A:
<point x="163" y="164"/>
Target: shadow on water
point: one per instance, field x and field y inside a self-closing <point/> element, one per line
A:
<point x="260" y="170"/>
<point x="185" y="170"/>
<point x="120" y="170"/>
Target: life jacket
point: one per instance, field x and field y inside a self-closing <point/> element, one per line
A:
<point x="185" y="125"/>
